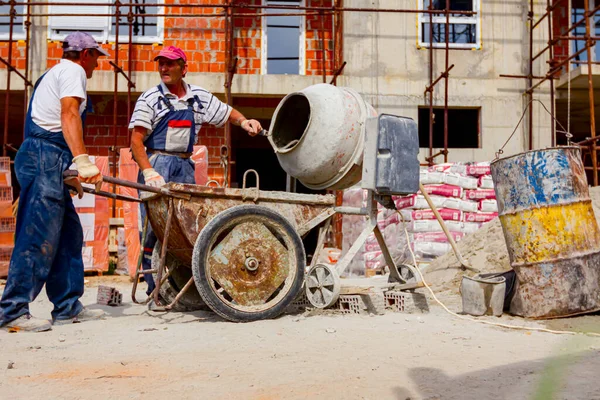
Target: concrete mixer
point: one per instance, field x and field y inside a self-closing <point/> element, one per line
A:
<point x="328" y="137"/>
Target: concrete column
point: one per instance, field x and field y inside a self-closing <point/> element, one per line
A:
<point x="38" y="43"/>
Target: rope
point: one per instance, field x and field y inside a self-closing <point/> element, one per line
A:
<point x="566" y="132"/>
<point x="463" y="317"/>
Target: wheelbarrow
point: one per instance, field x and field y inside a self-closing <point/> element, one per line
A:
<point x="244" y="246"/>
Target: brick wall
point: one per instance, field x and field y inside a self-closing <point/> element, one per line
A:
<point x="560" y="24"/>
<point x="318" y="28"/>
<point x="18" y="54"/>
<point x="203" y="39"/>
<point x="247" y="36"/>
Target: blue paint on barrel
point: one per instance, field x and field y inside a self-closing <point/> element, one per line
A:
<point x="537" y="178"/>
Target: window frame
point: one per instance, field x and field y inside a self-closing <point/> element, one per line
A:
<point x="264" y="42"/>
<point x="16" y="35"/>
<point x="106" y="35"/>
<point x="423" y="18"/>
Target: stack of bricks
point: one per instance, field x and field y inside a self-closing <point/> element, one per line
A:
<point x="7" y="220"/>
<point x="109" y="296"/>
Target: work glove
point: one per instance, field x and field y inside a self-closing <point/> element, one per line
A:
<point x="152" y="178"/>
<point x="88" y="171"/>
<point x="251" y="126"/>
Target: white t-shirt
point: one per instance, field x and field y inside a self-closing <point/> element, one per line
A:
<point x="66" y="79"/>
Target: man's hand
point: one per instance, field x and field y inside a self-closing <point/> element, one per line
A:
<point x="88" y="172"/>
<point x="74" y="183"/>
<point x="251" y="126"/>
<point x="153" y="178"/>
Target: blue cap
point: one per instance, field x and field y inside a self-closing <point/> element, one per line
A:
<point x="79" y="41"/>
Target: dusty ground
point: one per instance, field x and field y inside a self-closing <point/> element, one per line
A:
<point x="134" y="354"/>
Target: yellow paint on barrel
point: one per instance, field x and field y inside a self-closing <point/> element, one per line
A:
<point x="551" y="232"/>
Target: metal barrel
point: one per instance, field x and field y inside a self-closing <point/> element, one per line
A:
<point x="551" y="232"/>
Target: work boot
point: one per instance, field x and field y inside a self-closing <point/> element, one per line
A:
<point x="85" y="315"/>
<point x="27" y="323"/>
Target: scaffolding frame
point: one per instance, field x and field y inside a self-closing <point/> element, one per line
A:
<point x="230" y="11"/>
<point x="555" y="68"/>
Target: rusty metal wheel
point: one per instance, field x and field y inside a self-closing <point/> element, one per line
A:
<point x="248" y="263"/>
<point x="179" y="275"/>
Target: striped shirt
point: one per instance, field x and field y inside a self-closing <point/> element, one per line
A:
<point x="149" y="110"/>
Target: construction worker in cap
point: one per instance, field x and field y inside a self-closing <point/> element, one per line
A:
<point x="49" y="237"/>
<point x="165" y="125"/>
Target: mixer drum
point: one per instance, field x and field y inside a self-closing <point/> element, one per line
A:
<point x="318" y="136"/>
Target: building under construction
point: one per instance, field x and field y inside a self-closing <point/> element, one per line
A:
<point x="470" y="72"/>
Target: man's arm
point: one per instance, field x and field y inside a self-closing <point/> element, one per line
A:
<point x="138" y="134"/>
<point x="151" y="177"/>
<point x="72" y="125"/>
<point x="73" y="133"/>
<point x="251" y="126"/>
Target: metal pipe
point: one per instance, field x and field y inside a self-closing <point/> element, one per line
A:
<point x="282" y="7"/>
<point x="430" y="82"/>
<point x="26" y="78"/>
<point x="163" y="252"/>
<point x="185" y="288"/>
<point x="130" y="84"/>
<point x="110" y="195"/>
<point x="530" y="79"/>
<point x="323" y="55"/>
<point x="121" y="71"/>
<point x="586" y="142"/>
<point x="589" y="44"/>
<point x="139" y="262"/>
<point x="550" y="75"/>
<point x="8" y="72"/>
<point x="16" y="71"/>
<point x="447" y="30"/>
<point x="173" y="15"/>
<point x="337" y="73"/>
<point x="230" y="68"/>
<point x="115" y="104"/>
<point x="439" y="78"/>
<point x="549" y="9"/>
<point x="551" y="57"/>
<point x="433" y="157"/>
<point x="521" y="76"/>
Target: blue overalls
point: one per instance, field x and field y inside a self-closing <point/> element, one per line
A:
<point x="174" y="133"/>
<point x="48" y="237"/>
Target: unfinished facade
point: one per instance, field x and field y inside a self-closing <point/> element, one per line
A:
<point x="252" y="60"/>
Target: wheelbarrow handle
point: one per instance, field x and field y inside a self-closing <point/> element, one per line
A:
<point x="134" y="185"/>
<point x="109" y="179"/>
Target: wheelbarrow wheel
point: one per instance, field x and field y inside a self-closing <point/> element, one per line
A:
<point x="179" y="275"/>
<point x="248" y="263"/>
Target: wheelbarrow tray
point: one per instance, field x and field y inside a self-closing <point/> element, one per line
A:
<point x="303" y="211"/>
